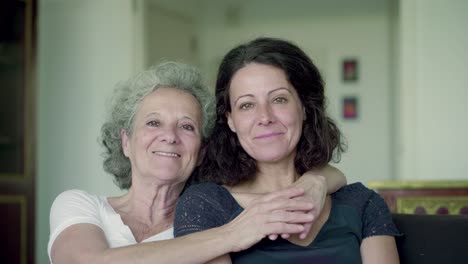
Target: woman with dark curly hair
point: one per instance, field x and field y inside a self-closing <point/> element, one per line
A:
<point x="153" y="135"/>
<point x="272" y="126"/>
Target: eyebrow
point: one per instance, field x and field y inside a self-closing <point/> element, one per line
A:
<point x="157" y="114"/>
<point x="270" y="92"/>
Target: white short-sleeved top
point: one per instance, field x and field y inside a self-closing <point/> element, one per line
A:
<point x="79" y="207"/>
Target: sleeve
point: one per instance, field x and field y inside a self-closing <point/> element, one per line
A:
<point x="201" y="207"/>
<point x="377" y="219"/>
<point x="69" y="208"/>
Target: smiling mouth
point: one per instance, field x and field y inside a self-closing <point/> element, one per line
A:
<point x="269" y="135"/>
<point x="167" y="154"/>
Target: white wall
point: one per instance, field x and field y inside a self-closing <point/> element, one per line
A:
<point x="433" y="91"/>
<point x="329" y="31"/>
<point x="170" y="35"/>
<point x="84" y="48"/>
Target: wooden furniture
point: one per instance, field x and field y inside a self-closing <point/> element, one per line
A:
<point x="17" y="131"/>
<point x="424" y="197"/>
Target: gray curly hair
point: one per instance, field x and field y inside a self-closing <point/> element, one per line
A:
<point x="126" y="100"/>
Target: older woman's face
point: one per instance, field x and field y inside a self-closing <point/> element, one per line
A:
<point x="166" y="138"/>
<point x="267" y="114"/>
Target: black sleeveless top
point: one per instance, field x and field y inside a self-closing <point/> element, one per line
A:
<point x="356" y="213"/>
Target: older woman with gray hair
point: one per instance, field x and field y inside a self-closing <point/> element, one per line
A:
<point x="153" y="137"/>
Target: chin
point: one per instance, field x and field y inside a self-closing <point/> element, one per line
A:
<point x="269" y="157"/>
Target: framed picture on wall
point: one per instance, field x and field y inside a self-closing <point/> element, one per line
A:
<point x="350" y="70"/>
<point x="350" y="107"/>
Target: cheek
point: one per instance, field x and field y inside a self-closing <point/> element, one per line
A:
<point x="144" y="137"/>
<point x="193" y="145"/>
<point x="294" y="120"/>
<point x="243" y="123"/>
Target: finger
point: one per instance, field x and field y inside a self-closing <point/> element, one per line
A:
<point x="289" y="192"/>
<point x="282" y="205"/>
<point x="282" y="228"/>
<point x="307" y="227"/>
<point x="285" y="236"/>
<point x="292" y="217"/>
<point x="273" y="236"/>
<point x="291" y="205"/>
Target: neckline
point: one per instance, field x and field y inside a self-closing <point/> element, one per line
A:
<point x="319" y="234"/>
<point x="116" y="217"/>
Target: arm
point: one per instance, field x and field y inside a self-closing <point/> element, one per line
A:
<point x="317" y="184"/>
<point x="328" y="178"/>
<point x="201" y="209"/>
<point x="378" y="244"/>
<point x="77" y="236"/>
<point x="379" y="249"/>
<point x="86" y="243"/>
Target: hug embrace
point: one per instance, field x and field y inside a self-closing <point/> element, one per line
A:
<point x="241" y="176"/>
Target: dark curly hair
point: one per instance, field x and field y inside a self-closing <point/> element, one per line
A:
<point x="225" y="160"/>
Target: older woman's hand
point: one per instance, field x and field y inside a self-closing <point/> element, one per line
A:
<point x="315" y="191"/>
<point x="317" y="184"/>
<point x="274" y="213"/>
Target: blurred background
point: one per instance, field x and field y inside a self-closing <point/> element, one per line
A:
<point x="396" y="74"/>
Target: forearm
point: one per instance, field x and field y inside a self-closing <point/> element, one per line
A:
<point x="198" y="247"/>
<point x="224" y="259"/>
<point x="86" y="243"/>
<point x="334" y="178"/>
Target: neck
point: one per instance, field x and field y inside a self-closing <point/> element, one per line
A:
<point x="270" y="177"/>
<point x="150" y="204"/>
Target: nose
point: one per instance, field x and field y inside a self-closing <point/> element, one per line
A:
<point x="265" y="115"/>
<point x="169" y="135"/>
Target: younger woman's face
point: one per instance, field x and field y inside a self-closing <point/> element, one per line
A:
<point x="266" y="113"/>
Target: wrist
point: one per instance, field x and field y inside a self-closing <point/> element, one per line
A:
<point x="228" y="237"/>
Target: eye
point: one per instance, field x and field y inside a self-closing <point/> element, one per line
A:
<point x="153" y="123"/>
<point x="245" y="106"/>
<point x="280" y="100"/>
<point x="188" y="127"/>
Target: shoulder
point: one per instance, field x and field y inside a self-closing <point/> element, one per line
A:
<point x="74" y="207"/>
<point x="354" y="188"/>
<point x="75" y="194"/>
<point x="75" y="203"/>
<point x="75" y="198"/>
<point x="355" y="194"/>
<point x="208" y="192"/>
<point x="374" y="213"/>
<point x="204" y="206"/>
<point x="205" y="187"/>
<point x="360" y="197"/>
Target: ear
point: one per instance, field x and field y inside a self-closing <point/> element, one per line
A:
<point x="125" y="142"/>
<point x="230" y="122"/>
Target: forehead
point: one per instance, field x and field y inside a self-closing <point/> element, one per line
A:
<point x="167" y="100"/>
<point x="256" y="72"/>
<point x="255" y="76"/>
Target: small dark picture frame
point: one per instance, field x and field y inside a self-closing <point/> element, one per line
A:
<point x="349" y="70"/>
<point x="350" y="108"/>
